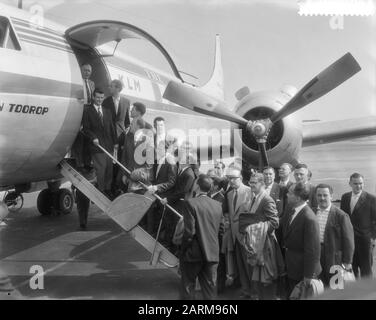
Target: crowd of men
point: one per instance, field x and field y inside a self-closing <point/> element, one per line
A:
<point x="265" y="235"/>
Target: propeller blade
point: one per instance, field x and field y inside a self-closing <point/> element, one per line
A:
<point x="337" y="73"/>
<point x="264" y="162"/>
<point x="193" y="99"/>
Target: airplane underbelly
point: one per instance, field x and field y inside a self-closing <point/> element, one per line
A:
<point x="35" y="134"/>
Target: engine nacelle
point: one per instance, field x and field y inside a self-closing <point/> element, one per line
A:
<point x="285" y="138"/>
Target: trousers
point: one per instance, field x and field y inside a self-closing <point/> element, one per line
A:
<point x="206" y="272"/>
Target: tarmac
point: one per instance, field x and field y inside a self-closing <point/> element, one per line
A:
<point x="103" y="262"/>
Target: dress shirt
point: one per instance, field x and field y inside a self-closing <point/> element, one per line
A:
<point x="354" y="200"/>
<point x="284" y="183"/>
<point x="268" y="189"/>
<point x="99" y="110"/>
<point x="116" y="103"/>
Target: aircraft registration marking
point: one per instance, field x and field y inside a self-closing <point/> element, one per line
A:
<point x="25" y="108"/>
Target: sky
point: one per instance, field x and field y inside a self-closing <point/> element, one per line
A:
<point x="265" y="44"/>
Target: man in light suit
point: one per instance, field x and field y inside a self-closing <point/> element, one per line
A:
<point x="301" y="238"/>
<point x="98" y="126"/>
<point x="119" y="107"/>
<point x="336" y="233"/>
<point x="89" y="85"/>
<point x="200" y="249"/>
<point x="361" y="207"/>
<point x="237" y="200"/>
<point x="264" y="210"/>
<point x="81" y="146"/>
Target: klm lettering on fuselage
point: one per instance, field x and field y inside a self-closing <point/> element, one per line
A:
<point x="24" y="108"/>
<point x="130" y="83"/>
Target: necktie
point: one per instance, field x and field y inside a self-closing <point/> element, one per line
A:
<point x="253" y="201"/>
<point x="100" y="114"/>
<point x="88" y="91"/>
<point x="235" y="199"/>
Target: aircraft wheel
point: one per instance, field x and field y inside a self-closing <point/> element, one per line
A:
<point x="45" y="202"/>
<point x="65" y="201"/>
<point x="14" y="201"/>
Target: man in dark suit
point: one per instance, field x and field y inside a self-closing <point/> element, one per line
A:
<point x="301" y="238"/>
<point x="175" y="196"/>
<point x="285" y="182"/>
<point x="272" y="188"/>
<point x="98" y="126"/>
<point x="336" y="233"/>
<point x="361" y="207"/>
<point x="165" y="173"/>
<point x="200" y="248"/>
<point x="163" y="142"/>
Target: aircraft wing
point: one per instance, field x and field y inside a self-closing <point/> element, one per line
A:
<point x="334" y="131"/>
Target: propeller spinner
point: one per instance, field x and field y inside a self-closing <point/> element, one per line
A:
<point x="331" y="77"/>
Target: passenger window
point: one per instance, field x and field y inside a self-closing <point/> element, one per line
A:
<point x="7" y="36"/>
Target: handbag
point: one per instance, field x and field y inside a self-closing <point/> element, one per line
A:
<point x="348" y="276"/>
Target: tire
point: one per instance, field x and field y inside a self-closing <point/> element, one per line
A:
<point x="45" y="202"/>
<point x="14" y="201"/>
<point x="64" y="201"/>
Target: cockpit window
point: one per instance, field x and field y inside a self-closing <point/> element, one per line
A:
<point x="7" y="36"/>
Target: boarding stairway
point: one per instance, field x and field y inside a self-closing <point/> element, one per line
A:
<point x="120" y="210"/>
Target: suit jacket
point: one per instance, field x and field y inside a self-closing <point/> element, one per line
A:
<point x="166" y="178"/>
<point x="183" y="185"/>
<point x="92" y="88"/>
<point x="93" y="128"/>
<point x="363" y="217"/>
<point x="283" y="195"/>
<point x="242" y="205"/>
<point x="301" y="239"/>
<point x="121" y="117"/>
<point x="276" y="195"/>
<point x="202" y="218"/>
<point x="338" y="238"/>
